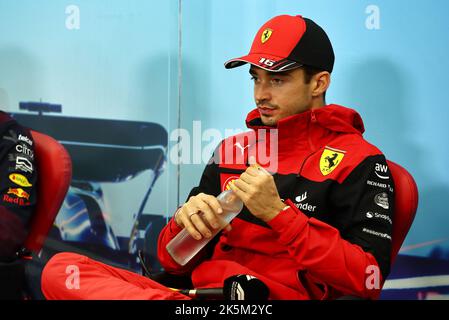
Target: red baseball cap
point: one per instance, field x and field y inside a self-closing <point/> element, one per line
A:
<point x="287" y="42"/>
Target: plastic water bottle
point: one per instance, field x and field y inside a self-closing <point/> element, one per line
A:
<point x="184" y="247"/>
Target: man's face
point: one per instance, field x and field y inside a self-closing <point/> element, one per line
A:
<point x="280" y="94"/>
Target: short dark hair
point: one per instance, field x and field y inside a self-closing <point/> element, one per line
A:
<point x="309" y="72"/>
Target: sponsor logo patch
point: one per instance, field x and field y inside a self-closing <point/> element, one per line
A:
<point x="226" y="184"/>
<point x="302" y="197"/>
<point x="376" y="184"/>
<point x="330" y="159"/>
<point x="379" y="185"/>
<point x="25" y="139"/>
<point x="304" y="206"/>
<point x="20" y="180"/>
<point x="371" y="215"/>
<point x="381" y="200"/>
<point x="23" y="164"/>
<point x="21" y="148"/>
<point x="18" y="201"/>
<point x="19" y="192"/>
<point x="381" y="171"/>
<point x="377" y="234"/>
<point x="14" y="138"/>
<point x="242" y="149"/>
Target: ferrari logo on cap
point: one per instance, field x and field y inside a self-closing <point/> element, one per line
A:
<point x="266" y="34"/>
<point x="330" y="159"/>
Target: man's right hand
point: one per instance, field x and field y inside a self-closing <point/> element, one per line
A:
<point x="199" y="215"/>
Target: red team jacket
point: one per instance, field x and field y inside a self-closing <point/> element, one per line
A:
<point x="335" y="239"/>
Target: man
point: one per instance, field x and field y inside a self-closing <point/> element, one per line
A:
<point x="318" y="228"/>
<point x="17" y="201"/>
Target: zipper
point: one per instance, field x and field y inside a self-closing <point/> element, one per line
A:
<point x="312" y="147"/>
<point x="312" y="115"/>
<point x="312" y="120"/>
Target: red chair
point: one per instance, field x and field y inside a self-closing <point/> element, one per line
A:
<point x="405" y="205"/>
<point x="54" y="169"/>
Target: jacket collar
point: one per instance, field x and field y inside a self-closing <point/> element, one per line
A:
<point x="312" y="125"/>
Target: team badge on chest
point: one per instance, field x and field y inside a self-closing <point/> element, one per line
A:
<point x="227" y="183"/>
<point x="330" y="159"/>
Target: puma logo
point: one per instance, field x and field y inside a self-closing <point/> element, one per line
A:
<point x="242" y="149"/>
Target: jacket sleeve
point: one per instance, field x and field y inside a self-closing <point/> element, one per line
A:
<point x="352" y="256"/>
<point x="209" y="184"/>
<point x="17" y="188"/>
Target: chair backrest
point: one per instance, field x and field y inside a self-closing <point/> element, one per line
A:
<point x="54" y="168"/>
<point x="406" y="204"/>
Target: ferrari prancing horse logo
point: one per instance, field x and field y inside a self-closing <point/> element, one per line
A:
<point x="266" y="34"/>
<point x="330" y="159"/>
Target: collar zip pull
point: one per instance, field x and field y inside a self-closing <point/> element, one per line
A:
<point x="312" y="114"/>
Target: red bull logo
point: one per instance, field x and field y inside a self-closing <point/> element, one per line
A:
<point x="19" y="192"/>
<point x="17" y="201"/>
